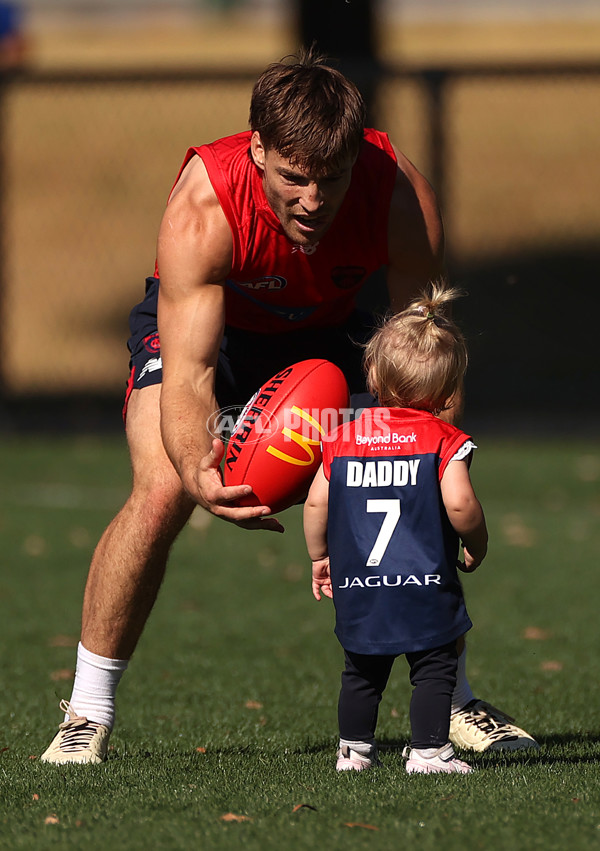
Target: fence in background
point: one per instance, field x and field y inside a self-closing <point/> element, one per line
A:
<point x="87" y="160"/>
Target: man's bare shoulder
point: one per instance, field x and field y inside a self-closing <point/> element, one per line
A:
<point x="193" y="221"/>
<point x="194" y="187"/>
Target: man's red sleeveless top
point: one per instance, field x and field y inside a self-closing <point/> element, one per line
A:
<point x="277" y="286"/>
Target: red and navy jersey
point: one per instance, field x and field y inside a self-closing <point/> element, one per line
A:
<point x="392" y="548"/>
<point x="275" y="285"/>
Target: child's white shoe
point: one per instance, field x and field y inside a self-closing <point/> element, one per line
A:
<point x="434" y="761"/>
<point x="356" y="756"/>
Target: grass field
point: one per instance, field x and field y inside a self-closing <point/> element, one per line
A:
<point x="226" y="718"/>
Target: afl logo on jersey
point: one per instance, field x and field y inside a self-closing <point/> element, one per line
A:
<point x="348" y="277"/>
<point x="270" y="282"/>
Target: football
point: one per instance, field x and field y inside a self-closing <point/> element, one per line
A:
<point x="275" y="445"/>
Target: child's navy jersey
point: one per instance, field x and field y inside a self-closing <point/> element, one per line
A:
<point x="392" y="549"/>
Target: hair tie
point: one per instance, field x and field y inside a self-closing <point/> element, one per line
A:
<point x="424" y="312"/>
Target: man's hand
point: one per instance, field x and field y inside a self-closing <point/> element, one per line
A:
<point x="211" y="493"/>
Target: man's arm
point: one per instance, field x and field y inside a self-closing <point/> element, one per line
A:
<point x="194" y="257"/>
<point x="416" y="249"/>
<point x="415" y="235"/>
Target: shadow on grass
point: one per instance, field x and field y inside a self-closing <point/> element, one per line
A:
<point x="556" y="750"/>
<point x="574" y="748"/>
<point x="560" y="748"/>
<point x="122" y="752"/>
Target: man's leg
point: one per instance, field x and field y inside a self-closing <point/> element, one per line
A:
<point x="125" y="575"/>
<point x="477" y="725"/>
<point x="129" y="562"/>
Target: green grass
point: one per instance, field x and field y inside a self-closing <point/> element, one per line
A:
<point x="229" y="705"/>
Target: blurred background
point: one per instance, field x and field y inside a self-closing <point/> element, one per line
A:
<point x="495" y="101"/>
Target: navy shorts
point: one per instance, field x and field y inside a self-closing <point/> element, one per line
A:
<point x="247" y="359"/>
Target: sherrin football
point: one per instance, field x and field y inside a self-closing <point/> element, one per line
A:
<point x="275" y="445"/>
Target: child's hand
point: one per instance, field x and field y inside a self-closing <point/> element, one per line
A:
<point x="470" y="564"/>
<point x="321" y="580"/>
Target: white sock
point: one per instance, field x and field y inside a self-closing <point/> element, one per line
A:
<point x="462" y="693"/>
<point x="430" y="753"/>
<point x="95" y="686"/>
<point x="363" y="748"/>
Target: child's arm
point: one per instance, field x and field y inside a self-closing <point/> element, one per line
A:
<point x="315" y="532"/>
<point x="465" y="513"/>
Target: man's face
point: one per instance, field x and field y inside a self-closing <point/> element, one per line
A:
<point x="305" y="204"/>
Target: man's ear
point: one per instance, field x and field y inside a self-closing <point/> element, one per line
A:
<point x="257" y="150"/>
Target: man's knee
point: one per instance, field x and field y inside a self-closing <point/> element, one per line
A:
<point x="161" y="499"/>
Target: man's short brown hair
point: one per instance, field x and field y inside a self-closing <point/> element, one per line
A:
<point x="308" y="112"/>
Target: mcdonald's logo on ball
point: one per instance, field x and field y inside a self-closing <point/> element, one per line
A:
<point x="275" y="445"/>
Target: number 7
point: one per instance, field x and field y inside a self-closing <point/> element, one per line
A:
<point x="391" y="509"/>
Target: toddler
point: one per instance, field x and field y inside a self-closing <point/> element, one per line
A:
<point x="383" y="521"/>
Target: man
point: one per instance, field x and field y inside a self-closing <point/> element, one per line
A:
<point x="267" y="237"/>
